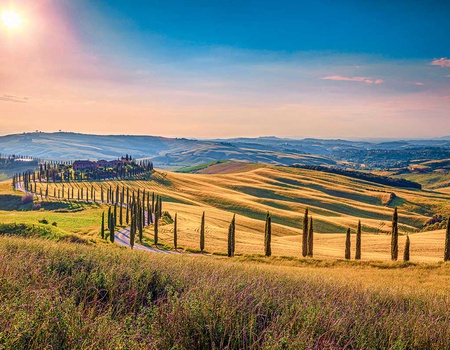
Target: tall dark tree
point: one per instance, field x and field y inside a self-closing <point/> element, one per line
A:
<point x="115" y="214"/>
<point x="153" y="202"/>
<point x="347" y="245"/>
<point x="406" y="251"/>
<point x="175" y="231"/>
<point x="305" y="234"/>
<point x="447" y="242"/>
<point x="268" y="236"/>
<point x="133" y="227"/>
<point x="202" y="233"/>
<point x="358" y="242"/>
<point x="103" y="226"/>
<point x="231" y="237"/>
<point x="140" y="222"/>
<point x="310" y="238"/>
<point x="112" y="228"/>
<point x="121" y="214"/>
<point x="155" y="229"/>
<point x="394" y="236"/>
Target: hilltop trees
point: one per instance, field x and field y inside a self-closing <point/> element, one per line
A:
<point x="268" y="236"/>
<point x="305" y="234"/>
<point x="394" y="236"/>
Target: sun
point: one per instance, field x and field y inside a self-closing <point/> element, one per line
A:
<point x="11" y="19"/>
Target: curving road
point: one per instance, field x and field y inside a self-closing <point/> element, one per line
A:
<point x="122" y="237"/>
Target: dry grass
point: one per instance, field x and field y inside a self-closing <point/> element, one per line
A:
<point x="68" y="296"/>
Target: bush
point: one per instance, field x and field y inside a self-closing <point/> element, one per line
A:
<point x="36" y="206"/>
<point x="54" y="223"/>
<point x="43" y="221"/>
<point x="28" y="198"/>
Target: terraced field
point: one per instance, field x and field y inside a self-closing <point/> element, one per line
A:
<point x="335" y="202"/>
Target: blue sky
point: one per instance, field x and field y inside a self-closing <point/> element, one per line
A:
<point x="231" y="68"/>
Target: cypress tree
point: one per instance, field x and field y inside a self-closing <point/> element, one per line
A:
<point x="121" y="214"/>
<point x="139" y="222"/>
<point x="347" y="245"/>
<point x="115" y="214"/>
<point x="127" y="214"/>
<point x="231" y="237"/>
<point x="305" y="234"/>
<point x="358" y="242"/>
<point x="229" y="241"/>
<point x="202" y="233"/>
<point x="447" y="242"/>
<point x="153" y="202"/>
<point x="406" y="252"/>
<point x="155" y="229"/>
<point x="103" y="226"/>
<point x="268" y="236"/>
<point x="310" y="238"/>
<point x="394" y="238"/>
<point x="175" y="233"/>
<point x="233" y="234"/>
<point x="149" y="215"/>
<point x="111" y="232"/>
<point x="132" y="229"/>
<point x="109" y="218"/>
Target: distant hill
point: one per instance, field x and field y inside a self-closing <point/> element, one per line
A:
<point x="175" y="153"/>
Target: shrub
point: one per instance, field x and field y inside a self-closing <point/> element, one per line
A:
<point x="43" y="221"/>
<point x="36" y="206"/>
<point x="28" y="198"/>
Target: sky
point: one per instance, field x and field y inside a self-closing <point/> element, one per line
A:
<point x="217" y="69"/>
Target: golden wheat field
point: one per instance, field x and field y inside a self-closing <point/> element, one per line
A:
<point x="250" y="191"/>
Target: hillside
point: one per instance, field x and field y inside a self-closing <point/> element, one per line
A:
<point x="175" y="153"/>
<point x="249" y="190"/>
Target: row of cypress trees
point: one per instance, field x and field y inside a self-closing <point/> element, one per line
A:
<point x="308" y="238"/>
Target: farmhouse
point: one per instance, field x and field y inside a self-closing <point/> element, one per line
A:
<point x="84" y="165"/>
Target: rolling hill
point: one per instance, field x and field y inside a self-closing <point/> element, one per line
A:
<point x="250" y="190"/>
<point x="175" y="153"/>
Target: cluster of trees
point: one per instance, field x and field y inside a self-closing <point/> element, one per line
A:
<point x="137" y="209"/>
<point x="384" y="180"/>
<point x="64" y="172"/>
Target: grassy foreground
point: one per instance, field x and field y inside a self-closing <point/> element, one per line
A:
<point x="69" y="296"/>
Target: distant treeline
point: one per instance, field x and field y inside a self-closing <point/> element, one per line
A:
<point x="384" y="180"/>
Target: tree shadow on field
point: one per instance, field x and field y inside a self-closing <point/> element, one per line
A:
<point x="9" y="202"/>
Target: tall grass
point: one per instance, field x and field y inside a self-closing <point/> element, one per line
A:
<point x="70" y="296"/>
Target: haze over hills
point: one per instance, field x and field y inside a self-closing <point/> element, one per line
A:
<point x="181" y="152"/>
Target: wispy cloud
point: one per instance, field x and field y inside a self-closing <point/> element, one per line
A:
<point x="366" y="80"/>
<point x="442" y="62"/>
<point x="418" y="83"/>
<point x="12" y="98"/>
<point x="448" y="75"/>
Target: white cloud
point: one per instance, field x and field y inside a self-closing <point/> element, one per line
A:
<point x="442" y="62"/>
<point x="366" y="80"/>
